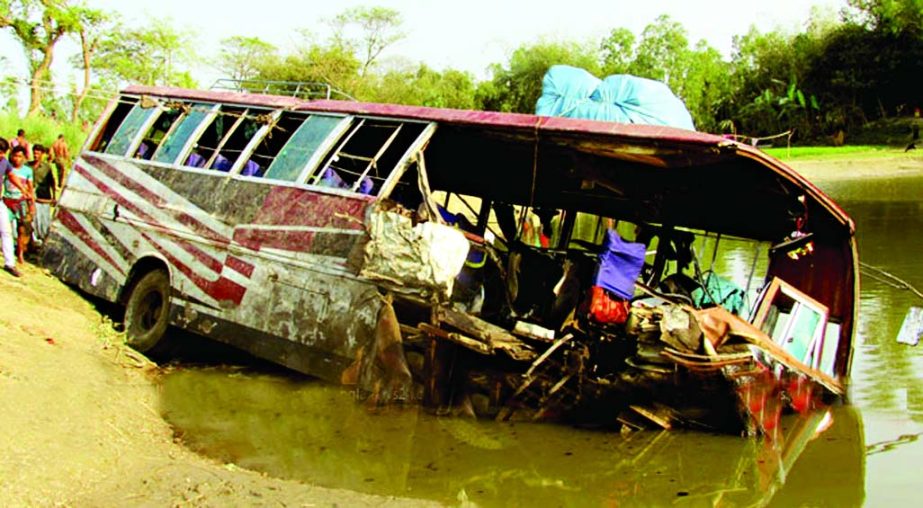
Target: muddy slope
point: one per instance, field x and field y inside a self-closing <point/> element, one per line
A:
<point x="80" y="421"/>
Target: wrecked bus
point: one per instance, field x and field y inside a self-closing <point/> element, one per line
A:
<point x="502" y="265"/>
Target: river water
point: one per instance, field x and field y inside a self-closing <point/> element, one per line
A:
<point x="868" y="454"/>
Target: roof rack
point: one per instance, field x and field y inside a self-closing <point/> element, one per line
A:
<point x="297" y="89"/>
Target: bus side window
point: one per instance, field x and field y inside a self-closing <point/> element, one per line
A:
<point x="235" y="142"/>
<point x="121" y="110"/>
<point x="265" y="152"/>
<point x="212" y="138"/>
<point x="177" y="138"/>
<point x="155" y="135"/>
<point x="128" y="129"/>
<point x="367" y="154"/>
<point x="303" y="146"/>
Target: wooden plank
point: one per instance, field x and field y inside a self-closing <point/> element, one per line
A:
<point x="457" y="338"/>
<point x="709" y="357"/>
<point x="497" y="337"/>
<point x="663" y="420"/>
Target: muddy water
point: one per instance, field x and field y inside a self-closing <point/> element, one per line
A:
<point x="869" y="453"/>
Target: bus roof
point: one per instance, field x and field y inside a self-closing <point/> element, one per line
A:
<point x="652" y="145"/>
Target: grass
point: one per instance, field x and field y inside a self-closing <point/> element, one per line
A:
<point x="835" y="152"/>
<point x="41" y="130"/>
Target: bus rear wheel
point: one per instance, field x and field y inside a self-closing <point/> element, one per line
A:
<point x="147" y="314"/>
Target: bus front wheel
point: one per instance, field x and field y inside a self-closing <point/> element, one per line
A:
<point x="147" y="313"/>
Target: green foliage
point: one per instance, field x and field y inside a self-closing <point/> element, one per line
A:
<point x="887" y="16"/>
<point x="836" y="75"/>
<point x="831" y="152"/>
<point x="41" y="129"/>
<point x="517" y="86"/>
<point x="424" y="86"/>
<point x="617" y="51"/>
<point x="333" y="65"/>
<point x="367" y="31"/>
<point x="707" y="86"/>
<point x="698" y="75"/>
<point x="38" y="26"/>
<point x="149" y="55"/>
<point x="663" y="53"/>
<point x="241" y="57"/>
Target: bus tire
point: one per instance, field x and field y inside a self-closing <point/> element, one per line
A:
<point x="147" y="314"/>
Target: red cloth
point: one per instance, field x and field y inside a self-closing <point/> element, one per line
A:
<point x="606" y="309"/>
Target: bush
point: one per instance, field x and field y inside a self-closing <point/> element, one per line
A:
<point x="42" y="130"/>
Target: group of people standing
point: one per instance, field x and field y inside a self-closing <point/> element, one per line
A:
<point x="31" y="178"/>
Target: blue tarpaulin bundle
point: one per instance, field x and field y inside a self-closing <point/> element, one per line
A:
<point x="619" y="265"/>
<point x="575" y="93"/>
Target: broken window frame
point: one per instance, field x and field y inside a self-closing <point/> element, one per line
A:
<point x="96" y="136"/>
<point x="192" y="137"/>
<point x="373" y="161"/>
<point x="223" y="141"/>
<point x="251" y="146"/>
<point x="387" y="182"/>
<point x="165" y="108"/>
<point x="815" y="347"/>
<point x="315" y="178"/>
<point x="410" y="155"/>
<point x="196" y="137"/>
<point x="137" y="137"/>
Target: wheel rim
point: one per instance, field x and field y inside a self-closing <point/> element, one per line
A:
<point x="150" y="309"/>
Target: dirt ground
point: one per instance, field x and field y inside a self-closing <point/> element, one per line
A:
<point x="79" y="412"/>
<point x="80" y="425"/>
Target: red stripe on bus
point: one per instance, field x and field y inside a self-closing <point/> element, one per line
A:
<point x="200" y="255"/>
<point x="222" y="289"/>
<point x="256" y="239"/>
<point x="145" y="193"/>
<point x="71" y="223"/>
<point x="287" y="206"/>
<point x="240" y="266"/>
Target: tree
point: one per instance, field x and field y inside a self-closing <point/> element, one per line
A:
<point x="146" y="55"/>
<point x="706" y="86"/>
<point x="93" y="25"/>
<point x="7" y="86"/>
<point x="39" y="25"/>
<point x="314" y="63"/>
<point x="423" y="86"/>
<point x="618" y="51"/>
<point x="241" y="57"/>
<point x="517" y="86"/>
<point x="663" y="53"/>
<point x="367" y="31"/>
<point x="894" y="16"/>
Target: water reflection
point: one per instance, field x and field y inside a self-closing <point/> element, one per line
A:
<point x="887" y="377"/>
<point x="313" y="432"/>
<point x="889" y="217"/>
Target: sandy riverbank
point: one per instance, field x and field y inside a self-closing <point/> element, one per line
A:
<point x="897" y="166"/>
<point x="81" y="425"/>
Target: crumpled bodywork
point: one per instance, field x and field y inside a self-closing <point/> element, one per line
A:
<point x="421" y="259"/>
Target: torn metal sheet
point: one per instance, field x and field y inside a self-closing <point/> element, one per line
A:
<point x="422" y="259"/>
